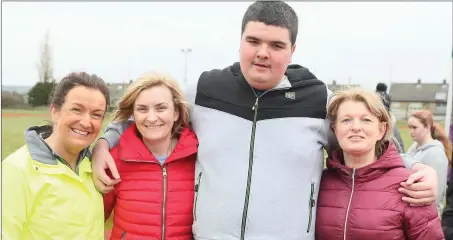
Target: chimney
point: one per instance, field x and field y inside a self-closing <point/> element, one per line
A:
<point x="334" y="82"/>
<point x="419" y="81"/>
<point x="444" y="82"/>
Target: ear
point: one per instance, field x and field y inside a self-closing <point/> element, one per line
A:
<point x="54" y="113"/>
<point x="332" y="127"/>
<point x="176" y="115"/>
<point x="293" y="48"/>
<point x="382" y="130"/>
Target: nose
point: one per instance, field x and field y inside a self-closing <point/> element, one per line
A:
<point x="356" y="126"/>
<point x="85" y="121"/>
<point x="263" y="52"/>
<point x="152" y="116"/>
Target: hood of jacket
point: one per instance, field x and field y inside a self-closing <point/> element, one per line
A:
<point x="40" y="151"/>
<point x="390" y="159"/>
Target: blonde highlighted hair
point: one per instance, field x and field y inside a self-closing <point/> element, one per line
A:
<point x="372" y="102"/>
<point x="125" y="106"/>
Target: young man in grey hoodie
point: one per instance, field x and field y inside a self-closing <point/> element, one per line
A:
<point x="261" y="124"/>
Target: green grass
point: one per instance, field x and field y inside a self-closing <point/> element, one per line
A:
<point x="13" y="128"/>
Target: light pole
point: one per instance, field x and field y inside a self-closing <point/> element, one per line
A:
<point x="449" y="103"/>
<point x="186" y="52"/>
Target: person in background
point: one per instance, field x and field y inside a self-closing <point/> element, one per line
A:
<point x="156" y="159"/>
<point x="430" y="147"/>
<point x="381" y="89"/>
<point x="359" y="196"/>
<point x="47" y="190"/>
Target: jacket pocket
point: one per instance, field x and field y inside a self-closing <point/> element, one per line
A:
<point x="123" y="236"/>
<point x="197" y="192"/>
<point x="311" y="205"/>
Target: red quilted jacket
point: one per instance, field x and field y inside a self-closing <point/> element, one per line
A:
<point x="152" y="201"/>
<point x="364" y="203"/>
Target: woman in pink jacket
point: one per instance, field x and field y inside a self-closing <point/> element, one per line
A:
<point x="359" y="197"/>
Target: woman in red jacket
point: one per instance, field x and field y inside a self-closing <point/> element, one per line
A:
<point x="359" y="198"/>
<point x="155" y="157"/>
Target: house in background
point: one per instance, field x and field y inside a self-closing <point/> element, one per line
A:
<point x="408" y="98"/>
<point x="337" y="87"/>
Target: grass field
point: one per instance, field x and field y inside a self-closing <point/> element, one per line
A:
<point x="14" y="123"/>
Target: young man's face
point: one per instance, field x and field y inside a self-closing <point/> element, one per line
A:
<point x="265" y="53"/>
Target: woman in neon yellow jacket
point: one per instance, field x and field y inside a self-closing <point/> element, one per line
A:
<point x="47" y="190"/>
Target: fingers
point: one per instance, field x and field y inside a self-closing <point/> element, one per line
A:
<point x="112" y="166"/>
<point x="414" y="177"/>
<point x="418" y="202"/>
<point x="103" y="188"/>
<point x="418" y="194"/>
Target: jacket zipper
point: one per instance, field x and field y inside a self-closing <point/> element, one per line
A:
<point x="311" y="204"/>
<point x="123" y="236"/>
<point x="164" y="200"/>
<point x="197" y="189"/>
<point x="349" y="204"/>
<point x="249" y="173"/>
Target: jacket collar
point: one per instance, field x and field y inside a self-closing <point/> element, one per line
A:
<point x="131" y="146"/>
<point x="389" y="160"/>
<point x="40" y="151"/>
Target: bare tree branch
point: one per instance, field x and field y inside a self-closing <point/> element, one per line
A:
<point x="45" y="64"/>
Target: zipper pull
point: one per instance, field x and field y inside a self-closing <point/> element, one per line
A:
<point x="256" y="104"/>
<point x="165" y="172"/>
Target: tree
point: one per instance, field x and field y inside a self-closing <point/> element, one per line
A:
<point x="40" y="92"/>
<point x="44" y="65"/>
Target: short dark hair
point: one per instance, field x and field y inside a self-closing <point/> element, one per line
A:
<point x="78" y="79"/>
<point x="381" y="87"/>
<point x="274" y="13"/>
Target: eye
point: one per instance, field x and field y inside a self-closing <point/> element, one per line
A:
<point x="161" y="108"/>
<point x="254" y="42"/>
<point x="277" y="46"/>
<point x="141" y="109"/>
<point x="346" y="120"/>
<point x="76" y="110"/>
<point x="98" y="115"/>
<point x="367" y="120"/>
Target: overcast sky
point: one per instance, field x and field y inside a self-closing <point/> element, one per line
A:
<point x="364" y="42"/>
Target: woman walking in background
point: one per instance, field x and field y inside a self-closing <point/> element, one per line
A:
<point x="431" y="147"/>
<point x="47" y="190"/>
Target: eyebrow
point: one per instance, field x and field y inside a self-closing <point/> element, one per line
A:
<point x="82" y="106"/>
<point x="157" y="104"/>
<point x="257" y="39"/>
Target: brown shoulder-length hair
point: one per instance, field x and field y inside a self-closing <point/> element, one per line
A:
<point x="437" y="132"/>
<point x="125" y="106"/>
<point x="373" y="103"/>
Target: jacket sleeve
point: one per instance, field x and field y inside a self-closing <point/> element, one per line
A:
<point x="330" y="141"/>
<point x="438" y="161"/>
<point x="447" y="216"/>
<point x="110" y="197"/>
<point x="113" y="132"/>
<point x="422" y="223"/>
<point x="16" y="200"/>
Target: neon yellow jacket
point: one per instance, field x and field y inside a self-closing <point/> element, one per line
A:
<point x="42" y="198"/>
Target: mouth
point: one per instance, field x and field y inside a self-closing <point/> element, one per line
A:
<point x="261" y="65"/>
<point x="154" y="126"/>
<point x="79" y="132"/>
<point x="355" y="137"/>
